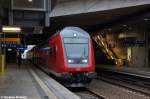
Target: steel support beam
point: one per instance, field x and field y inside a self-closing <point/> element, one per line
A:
<point x="10" y="17"/>
<point x="47" y="12"/>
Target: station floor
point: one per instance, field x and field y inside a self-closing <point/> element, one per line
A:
<point x="28" y="82"/>
<point x="18" y="83"/>
<point x="143" y="71"/>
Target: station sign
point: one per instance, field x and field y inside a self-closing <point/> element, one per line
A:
<point x="16" y="40"/>
<point x="10" y="42"/>
<point x="11" y="45"/>
<point x="134" y="42"/>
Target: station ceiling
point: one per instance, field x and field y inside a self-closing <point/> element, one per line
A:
<point x="92" y="22"/>
<point x="100" y="18"/>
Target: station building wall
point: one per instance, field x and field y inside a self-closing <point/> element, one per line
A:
<point x="137" y="47"/>
<point x="140" y="53"/>
<point x="133" y="55"/>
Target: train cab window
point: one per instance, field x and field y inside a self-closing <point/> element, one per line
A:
<point x="77" y="49"/>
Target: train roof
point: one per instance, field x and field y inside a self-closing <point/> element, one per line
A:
<point x="66" y="31"/>
<point x="75" y="29"/>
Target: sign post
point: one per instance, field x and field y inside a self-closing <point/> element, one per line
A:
<point x="4" y="42"/>
<point x="0" y="56"/>
<point x="3" y="64"/>
<point x="3" y="59"/>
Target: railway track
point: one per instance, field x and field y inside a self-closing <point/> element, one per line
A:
<point x="135" y="83"/>
<point x="85" y="93"/>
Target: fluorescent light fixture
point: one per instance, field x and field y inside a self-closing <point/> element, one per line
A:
<point x="9" y="49"/>
<point x="30" y="0"/>
<point x="125" y="35"/>
<point x="11" y="29"/>
<point x="112" y="57"/>
<point x="102" y="43"/>
<point x="146" y="19"/>
<point x="124" y="25"/>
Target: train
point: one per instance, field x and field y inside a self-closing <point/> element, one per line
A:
<point x="68" y="55"/>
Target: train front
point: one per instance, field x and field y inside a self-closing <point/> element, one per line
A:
<point x="79" y="57"/>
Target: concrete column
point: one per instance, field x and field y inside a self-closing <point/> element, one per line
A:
<point x="10" y="17"/>
<point x="140" y="53"/>
<point x="47" y="12"/>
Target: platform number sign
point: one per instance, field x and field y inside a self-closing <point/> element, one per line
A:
<point x="10" y="44"/>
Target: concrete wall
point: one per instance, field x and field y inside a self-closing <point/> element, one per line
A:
<point x="85" y="6"/>
<point x="140" y="54"/>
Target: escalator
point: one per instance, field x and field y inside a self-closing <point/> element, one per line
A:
<point x="108" y="49"/>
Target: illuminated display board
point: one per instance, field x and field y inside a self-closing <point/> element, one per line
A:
<point x="10" y="42"/>
<point x="17" y="40"/>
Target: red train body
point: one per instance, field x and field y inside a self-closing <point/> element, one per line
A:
<point x="68" y="55"/>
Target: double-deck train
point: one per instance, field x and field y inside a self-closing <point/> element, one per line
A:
<point x="68" y="55"/>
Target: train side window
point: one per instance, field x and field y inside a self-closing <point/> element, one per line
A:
<point x="54" y="49"/>
<point x="50" y="51"/>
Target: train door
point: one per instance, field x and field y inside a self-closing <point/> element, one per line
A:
<point x="53" y="54"/>
<point x="45" y="53"/>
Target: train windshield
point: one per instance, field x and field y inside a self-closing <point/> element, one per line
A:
<point x="77" y="50"/>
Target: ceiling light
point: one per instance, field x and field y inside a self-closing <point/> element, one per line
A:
<point x="124" y="25"/>
<point x="30" y="0"/>
<point x="9" y="49"/>
<point x="109" y="29"/>
<point x="11" y="29"/>
<point x="146" y="19"/>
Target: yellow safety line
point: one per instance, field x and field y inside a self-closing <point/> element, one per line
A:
<point x="3" y="66"/>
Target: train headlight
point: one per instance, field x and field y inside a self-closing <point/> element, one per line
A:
<point x="74" y="35"/>
<point x="84" y="61"/>
<point x="70" y="61"/>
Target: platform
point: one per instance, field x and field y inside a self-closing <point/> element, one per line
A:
<point x="18" y="82"/>
<point x="28" y="82"/>
<point x="139" y="71"/>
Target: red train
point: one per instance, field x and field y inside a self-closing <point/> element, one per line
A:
<point x="68" y="55"/>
